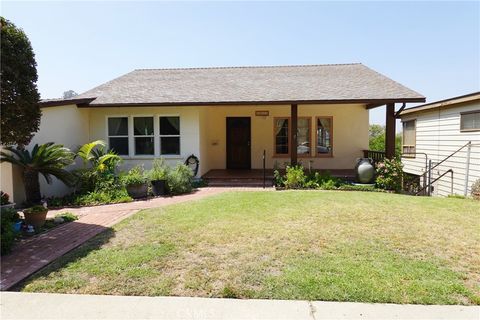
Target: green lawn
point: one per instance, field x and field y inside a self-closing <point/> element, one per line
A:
<point x="317" y="245"/>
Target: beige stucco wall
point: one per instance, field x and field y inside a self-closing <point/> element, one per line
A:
<point x="350" y="134"/>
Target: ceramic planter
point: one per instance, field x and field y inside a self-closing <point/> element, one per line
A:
<point x="137" y="191"/>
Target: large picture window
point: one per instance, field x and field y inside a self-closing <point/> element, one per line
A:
<point x="324" y="136"/>
<point x="118" y="135"/>
<point x="169" y="135"/>
<point x="470" y="121"/>
<point x="143" y="135"/>
<point x="409" y="138"/>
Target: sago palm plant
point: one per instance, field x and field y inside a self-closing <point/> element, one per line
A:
<point x="48" y="159"/>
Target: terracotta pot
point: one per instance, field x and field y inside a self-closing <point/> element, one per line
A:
<point x="36" y="219"/>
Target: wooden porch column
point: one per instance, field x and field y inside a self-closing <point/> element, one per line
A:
<point x="293" y="134"/>
<point x="390" y="131"/>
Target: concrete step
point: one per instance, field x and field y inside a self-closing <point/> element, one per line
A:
<point x="238" y="182"/>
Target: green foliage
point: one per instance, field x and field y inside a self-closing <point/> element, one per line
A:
<point x="118" y="195"/>
<point x="278" y="179"/>
<point x="199" y="183"/>
<point x="159" y="170"/>
<point x="8" y="217"/>
<point x="389" y="174"/>
<point x="19" y="112"/>
<point x="294" y="177"/>
<point x="354" y="187"/>
<point x="36" y="209"/>
<point x="179" y="180"/>
<point x="67" y="216"/>
<point x="134" y="176"/>
<point x="4" y="198"/>
<point x="476" y="189"/>
<point x="377" y="139"/>
<point x="48" y="159"/>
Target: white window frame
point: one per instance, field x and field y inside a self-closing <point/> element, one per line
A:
<point x="156" y="136"/>
<point x="143" y="136"/>
<point x="160" y="136"/>
<point x="122" y="136"/>
<point x="462" y="114"/>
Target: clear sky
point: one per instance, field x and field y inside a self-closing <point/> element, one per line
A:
<point x="431" y="47"/>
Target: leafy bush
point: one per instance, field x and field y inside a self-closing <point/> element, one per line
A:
<point x="389" y="174"/>
<point x="179" y="180"/>
<point x="134" y="176"/>
<point x="476" y="189"/>
<point x="4" y="198"/>
<point x="294" y="177"/>
<point x="67" y="216"/>
<point x="8" y="218"/>
<point x="278" y="179"/>
<point x="159" y="170"/>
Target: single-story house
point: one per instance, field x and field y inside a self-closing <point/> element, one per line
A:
<point x="446" y="132"/>
<point x="227" y="117"/>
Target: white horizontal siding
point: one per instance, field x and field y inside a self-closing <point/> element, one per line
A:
<point x="438" y="135"/>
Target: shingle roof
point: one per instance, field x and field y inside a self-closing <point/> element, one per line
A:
<point x="281" y="84"/>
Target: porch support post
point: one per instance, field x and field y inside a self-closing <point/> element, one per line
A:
<point x="293" y="134"/>
<point x="390" y="131"/>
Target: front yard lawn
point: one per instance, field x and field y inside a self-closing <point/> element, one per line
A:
<point x="316" y="245"/>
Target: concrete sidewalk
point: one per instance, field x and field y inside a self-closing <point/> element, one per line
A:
<point x="16" y="305"/>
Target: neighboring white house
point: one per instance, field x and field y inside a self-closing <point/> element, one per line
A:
<point x="227" y="117"/>
<point x="436" y="130"/>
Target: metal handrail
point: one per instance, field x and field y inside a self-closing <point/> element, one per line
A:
<point x="438" y="178"/>
<point x="439" y="163"/>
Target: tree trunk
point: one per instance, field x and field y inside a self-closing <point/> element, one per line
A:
<point x="32" y="186"/>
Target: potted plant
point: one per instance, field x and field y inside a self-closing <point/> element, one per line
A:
<point x="158" y="177"/>
<point x="35" y="216"/>
<point x="135" y="182"/>
<point x="5" y="200"/>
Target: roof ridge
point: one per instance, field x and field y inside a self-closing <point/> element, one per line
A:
<point x="253" y="67"/>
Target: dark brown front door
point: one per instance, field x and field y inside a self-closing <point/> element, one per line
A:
<point x="238" y="143"/>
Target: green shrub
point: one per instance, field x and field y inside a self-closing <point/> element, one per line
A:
<point x="294" y="177"/>
<point x="179" y="180"/>
<point x="134" y="176"/>
<point x="67" y="216"/>
<point x="159" y="170"/>
<point x="7" y="236"/>
<point x="278" y="179"/>
<point x="389" y="174"/>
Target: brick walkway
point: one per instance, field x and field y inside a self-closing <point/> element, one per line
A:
<point x="32" y="254"/>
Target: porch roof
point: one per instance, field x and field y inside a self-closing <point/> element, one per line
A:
<point x="332" y="83"/>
